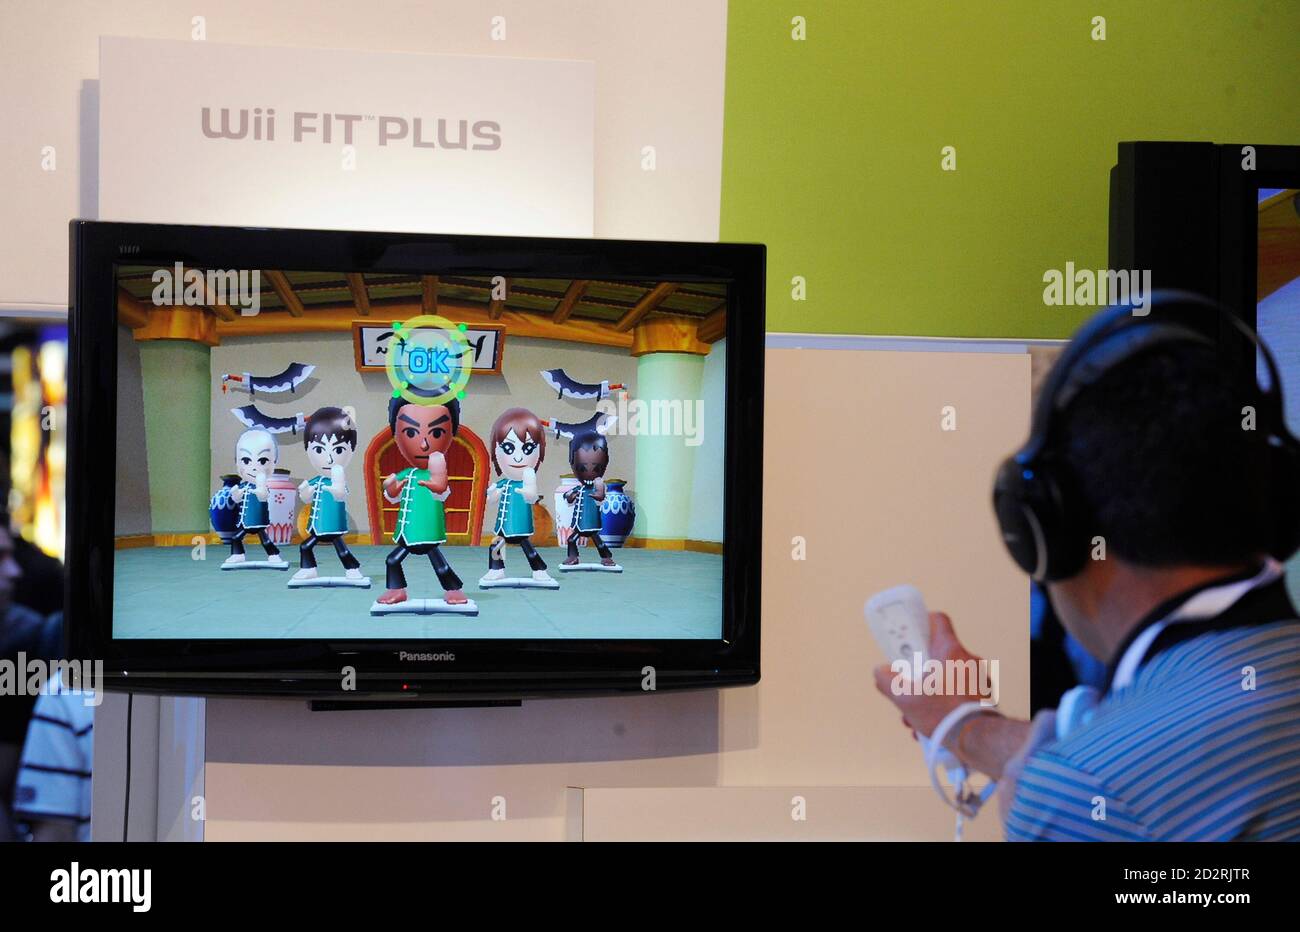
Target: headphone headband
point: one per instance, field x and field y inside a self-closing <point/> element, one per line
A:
<point x="1044" y="522"/>
<point x="1116" y="334"/>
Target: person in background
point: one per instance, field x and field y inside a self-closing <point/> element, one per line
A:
<point x="22" y="631"/>
<point x="40" y="587"/>
<point x="1057" y="662"/>
<point x="52" y="793"/>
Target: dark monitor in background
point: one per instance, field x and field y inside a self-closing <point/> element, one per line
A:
<point x="1222" y="220"/>
<point x="1191" y="214"/>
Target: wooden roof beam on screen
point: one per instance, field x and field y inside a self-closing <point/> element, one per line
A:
<point x="499" y="304"/>
<point x="713" y="327"/>
<point x="220" y="308"/>
<point x="429" y="293"/>
<point x="360" y="297"/>
<point x="577" y="288"/>
<point x="652" y="299"/>
<point x="284" y="290"/>
<point x="223" y="311"/>
<point x="131" y="312"/>
<point x="338" y="318"/>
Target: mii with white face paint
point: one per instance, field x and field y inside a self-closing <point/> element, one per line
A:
<point x="256" y="454"/>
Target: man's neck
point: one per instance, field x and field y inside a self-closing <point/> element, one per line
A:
<point x="1132" y="593"/>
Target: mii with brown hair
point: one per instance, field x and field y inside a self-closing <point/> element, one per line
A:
<point x="518" y="446"/>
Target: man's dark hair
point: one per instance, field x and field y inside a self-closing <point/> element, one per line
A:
<point x="590" y="440"/>
<point x="330" y="422"/>
<point x="1167" y="473"/>
<point x="397" y="403"/>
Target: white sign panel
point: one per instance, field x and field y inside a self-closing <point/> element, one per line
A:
<point x="196" y="132"/>
<point x="486" y="343"/>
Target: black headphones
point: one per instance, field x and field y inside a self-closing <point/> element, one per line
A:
<point x="1043" y="519"/>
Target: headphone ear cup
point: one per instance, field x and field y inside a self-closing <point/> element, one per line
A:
<point x="1017" y="530"/>
<point x="1039" y="516"/>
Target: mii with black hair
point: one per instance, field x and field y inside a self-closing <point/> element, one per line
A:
<point x="589" y="457"/>
<point x="330" y="439"/>
<point x="422" y="434"/>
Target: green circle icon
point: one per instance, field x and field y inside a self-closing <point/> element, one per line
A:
<point x="429" y="360"/>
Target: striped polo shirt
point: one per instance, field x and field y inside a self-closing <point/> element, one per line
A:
<point x="1201" y="744"/>
<point x="54" y="774"/>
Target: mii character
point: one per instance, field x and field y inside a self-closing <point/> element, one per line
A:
<point x="518" y="447"/>
<point x="330" y="439"/>
<point x="256" y="454"/>
<point x="589" y="457"/>
<point x="422" y="433"/>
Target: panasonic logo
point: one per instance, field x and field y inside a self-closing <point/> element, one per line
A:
<point x="444" y="656"/>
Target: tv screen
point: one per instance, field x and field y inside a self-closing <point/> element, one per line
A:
<point x="1277" y="281"/>
<point x="452" y="464"/>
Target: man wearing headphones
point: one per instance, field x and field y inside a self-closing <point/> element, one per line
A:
<point x="1155" y="498"/>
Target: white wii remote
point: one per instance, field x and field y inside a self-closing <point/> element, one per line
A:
<point x="900" y="623"/>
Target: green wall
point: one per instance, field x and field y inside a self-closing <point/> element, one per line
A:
<point x="831" y="148"/>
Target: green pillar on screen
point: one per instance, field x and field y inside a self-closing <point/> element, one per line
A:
<point x="177" y="392"/>
<point x="665" y="465"/>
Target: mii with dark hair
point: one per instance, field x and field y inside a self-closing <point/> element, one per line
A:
<point x="589" y="457"/>
<point x="518" y="446"/>
<point x="330" y="439"/>
<point x="422" y="434"/>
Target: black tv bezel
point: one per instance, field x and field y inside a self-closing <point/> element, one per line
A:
<point x="1239" y="274"/>
<point x="1194" y="208"/>
<point x="488" y="669"/>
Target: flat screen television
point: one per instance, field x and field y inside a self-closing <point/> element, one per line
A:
<point x="418" y="469"/>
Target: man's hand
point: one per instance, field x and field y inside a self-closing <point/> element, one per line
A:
<point x="985" y="742"/>
<point x="924" y="713"/>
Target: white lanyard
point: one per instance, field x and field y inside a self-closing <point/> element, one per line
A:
<point x="1205" y="604"/>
